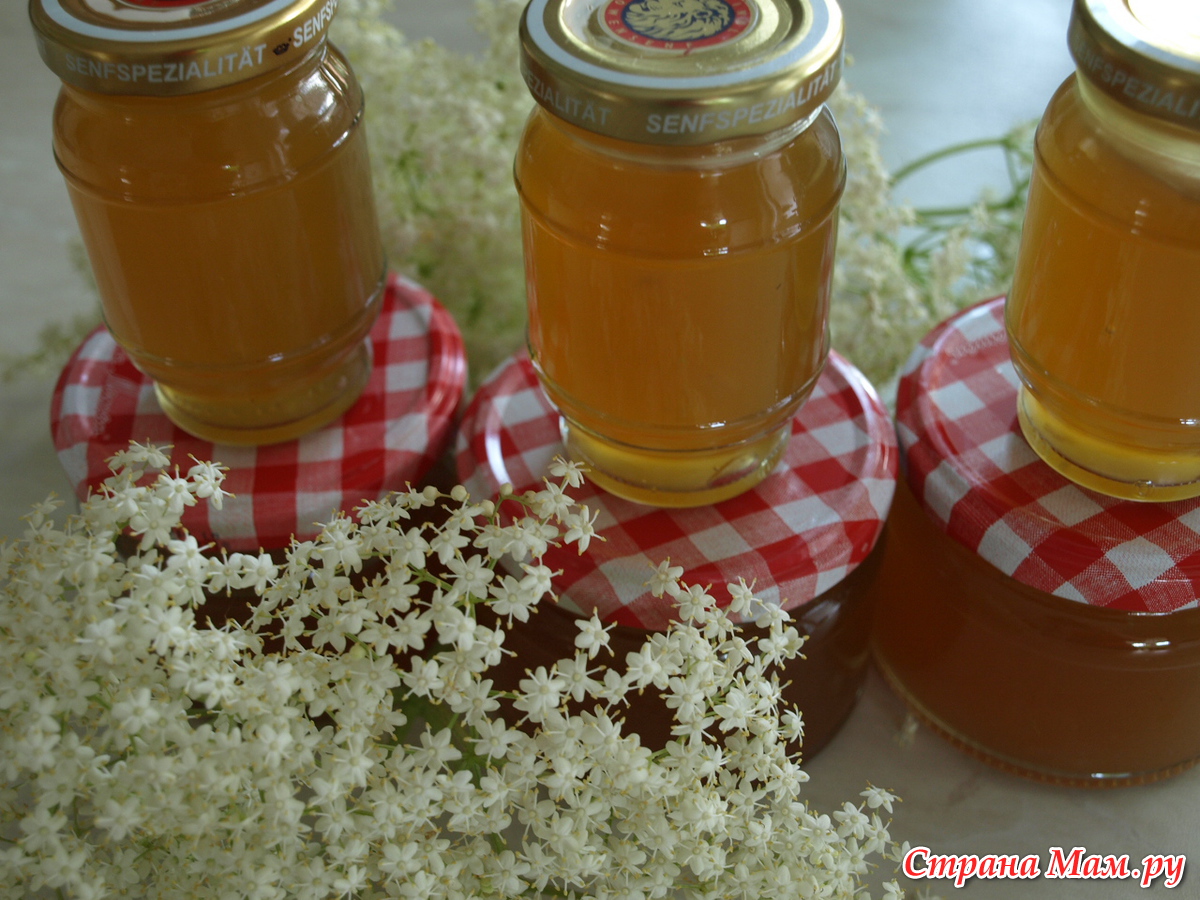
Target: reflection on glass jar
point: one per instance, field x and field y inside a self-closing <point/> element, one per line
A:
<point x="679" y="202"/>
<point x="1102" y="315"/>
<point x="219" y="173"/>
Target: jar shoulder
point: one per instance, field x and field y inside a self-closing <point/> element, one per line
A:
<point x="729" y="195"/>
<point x="226" y="140"/>
<point x="1124" y="165"/>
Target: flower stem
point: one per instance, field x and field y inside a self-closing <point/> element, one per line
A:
<point x="929" y="159"/>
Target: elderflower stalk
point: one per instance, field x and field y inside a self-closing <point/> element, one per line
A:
<point x="340" y="736"/>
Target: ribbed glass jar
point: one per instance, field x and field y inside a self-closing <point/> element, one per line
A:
<point x="218" y="169"/>
<point x="679" y="184"/>
<point x="1102" y="316"/>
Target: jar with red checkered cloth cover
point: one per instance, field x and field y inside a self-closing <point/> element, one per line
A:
<point x="1045" y="628"/>
<point x="804" y="537"/>
<point x="393" y="435"/>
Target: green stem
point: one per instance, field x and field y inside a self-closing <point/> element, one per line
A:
<point x="953" y="150"/>
<point x="944" y="212"/>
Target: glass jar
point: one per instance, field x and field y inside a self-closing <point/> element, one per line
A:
<point x="1102" y="315"/>
<point x="1046" y="629"/>
<point x="215" y="157"/>
<point x="805" y="538"/>
<point x="679" y="183"/>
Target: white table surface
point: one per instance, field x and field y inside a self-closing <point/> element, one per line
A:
<point x="940" y="71"/>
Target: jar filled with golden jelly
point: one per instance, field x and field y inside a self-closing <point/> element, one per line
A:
<point x="679" y="181"/>
<point x="1049" y="630"/>
<point x="1102" y="316"/>
<point x="214" y="153"/>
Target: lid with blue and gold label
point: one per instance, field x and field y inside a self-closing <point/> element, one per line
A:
<point x="682" y="71"/>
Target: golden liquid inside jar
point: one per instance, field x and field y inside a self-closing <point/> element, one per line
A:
<point x="678" y="299"/>
<point x="679" y="244"/>
<point x="233" y="237"/>
<point x="1102" y="315"/>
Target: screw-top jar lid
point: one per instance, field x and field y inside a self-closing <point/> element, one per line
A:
<point x="1145" y="54"/>
<point x="681" y="71"/>
<point x="170" y="47"/>
<point x="392" y="436"/>
<point x="979" y="481"/>
<point x="795" y="535"/>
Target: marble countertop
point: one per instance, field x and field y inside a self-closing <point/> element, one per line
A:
<point x="940" y="71"/>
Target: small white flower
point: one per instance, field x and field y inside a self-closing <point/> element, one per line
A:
<point x="552" y="502"/>
<point x="642" y="668"/>
<point x="42" y="830"/>
<point x="120" y="818"/>
<point x="877" y="797"/>
<point x="338" y="546"/>
<point x="411" y="549"/>
<point x="494" y="738"/>
<point x="471" y="577"/>
<point x="570" y="472"/>
<point x="257" y="572"/>
<point x="665" y="579"/>
<point x="510" y="599"/>
<point x="175" y="492"/>
<point x="537" y="580"/>
<point x="593" y="635"/>
<point x="540" y="694"/>
<point x="580" y="528"/>
<point x="422" y="678"/>
<point x="207" y="478"/>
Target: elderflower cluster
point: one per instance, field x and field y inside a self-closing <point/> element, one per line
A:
<point x="338" y="734"/>
<point x="443" y="129"/>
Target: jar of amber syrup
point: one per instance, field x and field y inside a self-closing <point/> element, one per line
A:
<point x="214" y="154"/>
<point x="1102" y="315"/>
<point x="804" y="537"/>
<point x="679" y="181"/>
<point x="1048" y="629"/>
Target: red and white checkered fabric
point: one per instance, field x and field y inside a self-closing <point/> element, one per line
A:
<point x="795" y="535"/>
<point x="391" y="436"/>
<point x="973" y="472"/>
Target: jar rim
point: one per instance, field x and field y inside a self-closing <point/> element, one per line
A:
<point x="173" y="47"/>
<point x="1146" y="56"/>
<point x="681" y="72"/>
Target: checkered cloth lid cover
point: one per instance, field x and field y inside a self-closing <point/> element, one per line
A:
<point x="393" y="434"/>
<point x="795" y="535"/>
<point x="977" y="478"/>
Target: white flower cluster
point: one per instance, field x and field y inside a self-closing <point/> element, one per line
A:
<point x="443" y="129"/>
<point x="342" y="738"/>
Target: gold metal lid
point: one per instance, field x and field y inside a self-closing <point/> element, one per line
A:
<point x="681" y="71"/>
<point x="1145" y="54"/>
<point x="170" y="47"/>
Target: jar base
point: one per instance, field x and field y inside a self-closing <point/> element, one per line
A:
<point x="285" y="415"/>
<point x="1128" y="473"/>
<point x="675" y="478"/>
<point x="1014" y="766"/>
